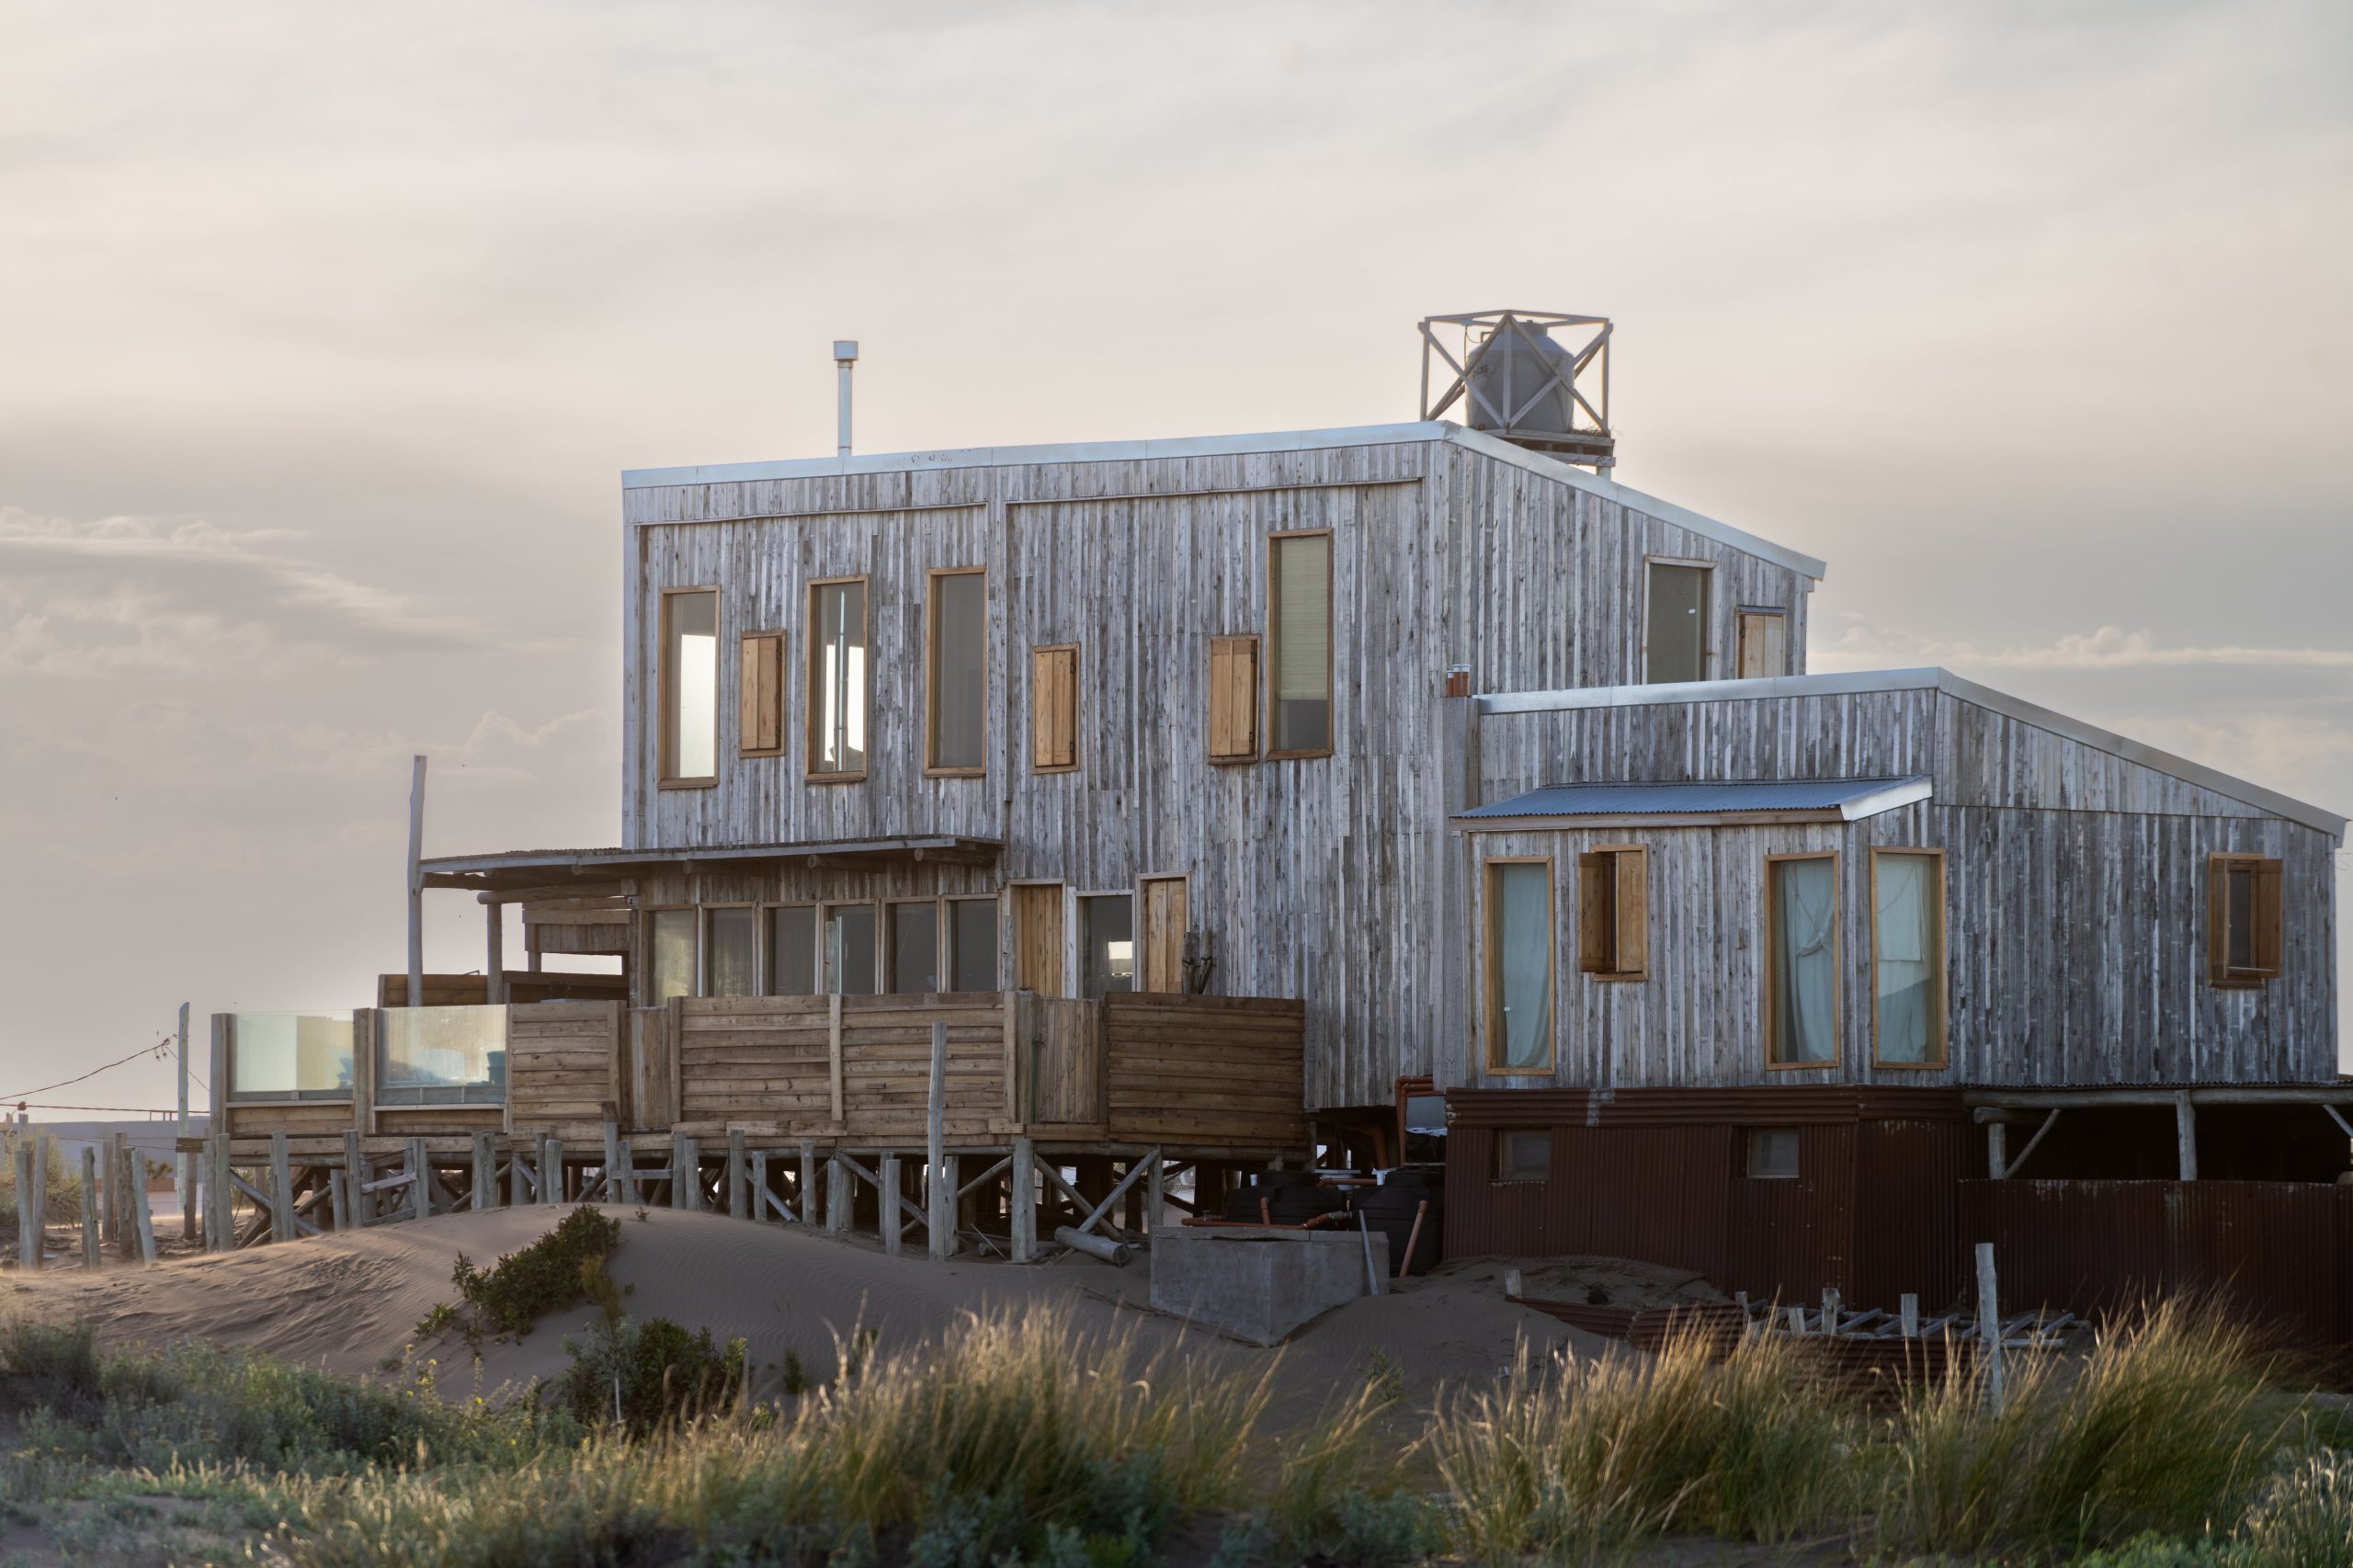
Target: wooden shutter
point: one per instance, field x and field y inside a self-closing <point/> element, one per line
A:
<point x="1053" y="709"/>
<point x="1630" y="924"/>
<point x="2218" y="920"/>
<point x="1614" y="912"/>
<point x="1038" y="939"/>
<point x="1233" y="700"/>
<point x="1764" y="643"/>
<point x="2263" y="946"/>
<point x="759" y="698"/>
<point x="1597" y="907"/>
<point x="1165" y="917"/>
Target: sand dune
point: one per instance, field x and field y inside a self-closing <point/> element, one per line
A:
<point x="349" y="1302"/>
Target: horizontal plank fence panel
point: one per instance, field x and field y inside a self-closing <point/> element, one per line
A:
<point x="1204" y="1071"/>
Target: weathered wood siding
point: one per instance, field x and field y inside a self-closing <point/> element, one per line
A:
<point x="563" y="1068"/>
<point x="2075" y="901"/>
<point x="1184" y="1067"/>
<point x="1313" y="878"/>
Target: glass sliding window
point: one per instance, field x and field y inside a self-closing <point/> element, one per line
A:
<point x="793" y="951"/>
<point x="972" y="943"/>
<point x="915" y="948"/>
<point x="291" y="1055"/>
<point x="673" y="969"/>
<point x="1802" y="966"/>
<point x="1676" y="632"/>
<point x="959" y="674"/>
<point x="1300" y="627"/>
<point x="730" y="948"/>
<point x="689" y="686"/>
<point x="837" y="676"/>
<point x="1908" y="958"/>
<point x="1519" y="966"/>
<point x="442" y="1056"/>
<point x="1107" y="934"/>
<point x="850" y="948"/>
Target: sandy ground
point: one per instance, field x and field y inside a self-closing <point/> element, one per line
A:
<point x="349" y="1302"/>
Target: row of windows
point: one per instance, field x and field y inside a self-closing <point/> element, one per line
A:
<point x="1801" y="924"/>
<point x="839" y="676"/>
<point x="914" y="947"/>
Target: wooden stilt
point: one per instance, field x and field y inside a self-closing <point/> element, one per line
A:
<point x="613" y="1164"/>
<point x="738" y="1195"/>
<point x="551" y="1170"/>
<point x="1155" y="1196"/>
<point x="809" y="1210"/>
<point x="485" y="1173"/>
<point x="28" y="1251"/>
<point x="939" y="1230"/>
<point x="837" y="1195"/>
<point x="1022" y="1211"/>
<point x="888" y="1213"/>
<point x="142" y="1218"/>
<point x="281" y="1190"/>
<point x="760" y="1196"/>
<point x="420" y="1191"/>
<point x="340" y="1201"/>
<point x="359" y="1172"/>
<point x="89" y="1208"/>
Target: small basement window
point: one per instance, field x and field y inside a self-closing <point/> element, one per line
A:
<point x="1772" y="1154"/>
<point x="1523" y="1153"/>
<point x="1613" y="911"/>
<point x="2243" y="920"/>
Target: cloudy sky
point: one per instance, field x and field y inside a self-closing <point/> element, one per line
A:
<point x="324" y="332"/>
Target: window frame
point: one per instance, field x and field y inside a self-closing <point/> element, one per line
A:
<point x="1748" y="1141"/>
<point x="825" y="908"/>
<point x="1503" y="1172"/>
<point x="1771" y="1021"/>
<point x="664" y="743"/>
<point x="704" y="947"/>
<point x="932" y="767"/>
<point x="810" y="772"/>
<point x="887" y="944"/>
<point x="653" y="922"/>
<point x="2221" y="973"/>
<point x="1271" y="649"/>
<point x="951" y="955"/>
<point x="1491" y="965"/>
<point x="742" y="645"/>
<point x="1077" y="668"/>
<point x="1709" y="654"/>
<point x="1619" y="854"/>
<point x="1940" y="1035"/>
<point x="768" y="913"/>
<point x="1080" y="932"/>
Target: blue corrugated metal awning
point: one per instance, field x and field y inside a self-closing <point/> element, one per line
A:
<point x="1845" y="799"/>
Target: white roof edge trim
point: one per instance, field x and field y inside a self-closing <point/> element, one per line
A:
<point x="1901" y="793"/>
<point x="1227" y="446"/>
<point x="1951" y="684"/>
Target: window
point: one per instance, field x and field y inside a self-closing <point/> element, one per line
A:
<point x="915" y="948"/>
<point x="673" y="969"/>
<point x="731" y="950"/>
<point x="2243" y="920"/>
<point x="1233" y="700"/>
<point x="1107" y="957"/>
<point x="291" y="1055"/>
<point x="1038" y="939"/>
<point x="1802" y="960"/>
<point x="1054" y="708"/>
<point x="793" y="951"/>
<point x="691" y="685"/>
<point x="1772" y="1154"/>
<point x="1908" y="958"/>
<point x="837" y="678"/>
<point x="442" y="1056"/>
<point x="1674" y="637"/>
<point x="850" y="948"/>
<point x="759" y="695"/>
<point x="1764" y="642"/>
<point x="1613" y="911"/>
<point x="1519" y="966"/>
<point x="957" y="673"/>
<point x="1299" y="635"/>
<point x="1523" y="1153"/>
<point x="972" y="943"/>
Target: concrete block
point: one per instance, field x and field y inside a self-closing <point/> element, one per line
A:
<point x="1261" y="1284"/>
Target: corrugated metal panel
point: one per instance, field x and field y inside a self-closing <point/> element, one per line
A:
<point x="1908" y="1177"/>
<point x="1695" y="798"/>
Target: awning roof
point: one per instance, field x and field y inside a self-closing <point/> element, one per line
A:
<point x="1699" y="802"/>
<point x="564" y="873"/>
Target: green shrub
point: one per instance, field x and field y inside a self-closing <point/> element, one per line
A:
<point x="646" y="1375"/>
<point x="545" y="1277"/>
<point x="60" y="1193"/>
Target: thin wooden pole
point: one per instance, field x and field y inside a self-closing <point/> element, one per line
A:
<point x="1989" y="1327"/>
<point x="28" y="1254"/>
<point x="616" y="1168"/>
<point x="2185" y="1119"/>
<point x="417" y="883"/>
<point x="356" y="1166"/>
<point x="281" y="1190"/>
<point x="1023" y="1200"/>
<point x="495" y="960"/>
<point x="686" y="1181"/>
<point x="809" y="1181"/>
<point x="485" y="1192"/>
<point x="888" y="1206"/>
<point x="90" y="1207"/>
<point x="551" y="1170"/>
<point x="837" y="1195"/>
<point x="42" y="1148"/>
<point x="760" y="1199"/>
<point x="420" y="1196"/>
<point x="1156" y="1198"/>
<point x="340" y="1199"/>
<point x="738" y="1198"/>
<point x="939" y="1185"/>
<point x="217" y="1212"/>
<point x="182" y="1164"/>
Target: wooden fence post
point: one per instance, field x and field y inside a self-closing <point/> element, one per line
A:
<point x="27" y="1252"/>
<point x="1989" y="1327"/>
<point x="41" y="1146"/>
<point x="281" y="1190"/>
<point x="1156" y="1194"/>
<point x="1023" y="1208"/>
<point x="340" y="1199"/>
<point x="760" y="1199"/>
<point x="837" y="1195"/>
<point x="216" y="1194"/>
<point x="420" y="1194"/>
<point x="359" y="1172"/>
<point x="142" y="1218"/>
<point x="615" y="1173"/>
<point x="809" y="1181"/>
<point x="737" y="1204"/>
<point x="90" y="1207"/>
<point x="486" y="1172"/>
<point x="939" y="1189"/>
<point x="551" y="1170"/>
<point x="886" y="1205"/>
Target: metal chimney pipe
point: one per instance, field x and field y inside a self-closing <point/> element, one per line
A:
<point x="845" y="355"/>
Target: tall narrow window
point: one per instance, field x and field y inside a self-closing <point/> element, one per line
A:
<point x="672" y="973"/>
<point x="730" y="948"/>
<point x="958" y="673"/>
<point x="972" y="943"/>
<point x="1054" y="708"/>
<point x="1764" y="642"/>
<point x="915" y="948"/>
<point x="793" y="951"/>
<point x="1613" y="912"/>
<point x="1674" y="636"/>
<point x="1802" y="960"/>
<point x="759" y="695"/>
<point x="850" y="948"/>
<point x="1299" y="631"/>
<point x="838" y="679"/>
<point x="1107" y="934"/>
<point x="2243" y="919"/>
<point x="1519" y="966"/>
<point x="1908" y="958"/>
<point x="689" y="686"/>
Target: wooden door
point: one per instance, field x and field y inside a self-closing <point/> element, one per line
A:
<point x="1038" y="939"/>
<point x="1164" y="935"/>
<point x="1764" y="643"/>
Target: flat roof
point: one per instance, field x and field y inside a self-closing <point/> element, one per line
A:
<point x="1859" y="681"/>
<point x="1722" y="800"/>
<point x="515" y="870"/>
<point x="1225" y="446"/>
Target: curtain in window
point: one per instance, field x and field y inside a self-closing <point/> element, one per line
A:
<point x="673" y="954"/>
<point x="1303" y="643"/>
<point x="1905" y="986"/>
<point x="960" y="669"/>
<point x="1805" y="978"/>
<point x="1524" y="966"/>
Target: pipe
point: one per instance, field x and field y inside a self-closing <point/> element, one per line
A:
<point x="845" y="355"/>
<point x="1371" y="1269"/>
<point x="1405" y="1264"/>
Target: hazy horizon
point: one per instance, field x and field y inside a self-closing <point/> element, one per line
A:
<point x="328" y="333"/>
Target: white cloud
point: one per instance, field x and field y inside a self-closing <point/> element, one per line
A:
<point x="1859" y="644"/>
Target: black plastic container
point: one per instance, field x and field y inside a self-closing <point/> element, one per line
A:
<point x="1390" y="1210"/>
<point x="1291" y="1198"/>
